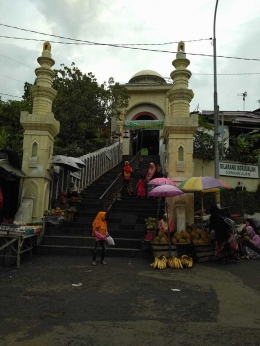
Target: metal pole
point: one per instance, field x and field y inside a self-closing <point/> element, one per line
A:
<point x="222" y="136"/>
<point x="216" y="150"/>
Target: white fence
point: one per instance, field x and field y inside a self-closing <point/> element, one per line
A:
<point x="96" y="164"/>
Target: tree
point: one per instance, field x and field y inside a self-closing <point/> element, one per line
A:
<point x="241" y="149"/>
<point x="84" y="109"/>
<point x="244" y="149"/>
<point x="11" y="131"/>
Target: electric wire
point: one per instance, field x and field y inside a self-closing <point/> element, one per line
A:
<point x="128" y="47"/>
<point x="96" y="43"/>
<point x="16" y="61"/>
<point x="12" y="78"/>
<point x="20" y="97"/>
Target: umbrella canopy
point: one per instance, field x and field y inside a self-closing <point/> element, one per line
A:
<point x="161" y="181"/>
<point x="217" y="189"/>
<point x="66" y="162"/>
<point x="165" y="191"/>
<point x="200" y="183"/>
<point x="78" y="161"/>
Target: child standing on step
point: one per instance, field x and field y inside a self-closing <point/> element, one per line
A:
<point x="141" y="188"/>
<point x="99" y="231"/>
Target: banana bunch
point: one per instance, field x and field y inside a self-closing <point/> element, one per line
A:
<point x="186" y="261"/>
<point x="159" y="262"/>
<point x="175" y="263"/>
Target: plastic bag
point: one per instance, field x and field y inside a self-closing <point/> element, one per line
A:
<point x="110" y="241"/>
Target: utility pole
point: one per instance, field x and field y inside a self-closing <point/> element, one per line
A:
<point x="216" y="127"/>
<point x="244" y="94"/>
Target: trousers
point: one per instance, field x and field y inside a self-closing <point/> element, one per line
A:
<point x="102" y="244"/>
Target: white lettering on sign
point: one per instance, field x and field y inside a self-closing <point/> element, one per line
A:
<point x="238" y="170"/>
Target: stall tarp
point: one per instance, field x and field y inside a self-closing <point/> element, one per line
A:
<point x="4" y="165"/>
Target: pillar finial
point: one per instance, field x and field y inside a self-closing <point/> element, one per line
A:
<point x="42" y="93"/>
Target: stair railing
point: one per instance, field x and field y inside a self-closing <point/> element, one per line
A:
<point x="96" y="164"/>
<point x="111" y="194"/>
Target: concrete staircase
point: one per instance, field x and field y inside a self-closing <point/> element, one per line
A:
<point x="126" y="223"/>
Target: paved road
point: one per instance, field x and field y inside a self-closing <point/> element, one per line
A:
<point x="128" y="303"/>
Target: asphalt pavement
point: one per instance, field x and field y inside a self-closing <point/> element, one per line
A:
<point x="66" y="301"/>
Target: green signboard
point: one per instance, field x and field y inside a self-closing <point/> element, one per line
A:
<point x="144" y="124"/>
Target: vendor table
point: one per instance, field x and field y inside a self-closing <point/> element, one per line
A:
<point x="15" y="245"/>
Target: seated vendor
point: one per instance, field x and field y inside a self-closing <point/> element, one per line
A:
<point x="166" y="225"/>
<point x="62" y="201"/>
<point x="73" y="190"/>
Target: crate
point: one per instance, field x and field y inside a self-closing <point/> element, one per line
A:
<point x="69" y="217"/>
<point x="199" y="253"/>
<point x="163" y="250"/>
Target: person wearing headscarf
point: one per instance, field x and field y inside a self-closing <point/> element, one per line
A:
<point x="151" y="172"/>
<point x="165" y="225"/>
<point x="226" y="244"/>
<point x="99" y="231"/>
<point x="127" y="176"/>
<point x="251" y="243"/>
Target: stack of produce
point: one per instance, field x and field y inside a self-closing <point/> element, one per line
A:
<point x="159" y="262"/>
<point x="54" y="212"/>
<point x="161" y="238"/>
<point x="180" y="262"/>
<point x="195" y="236"/>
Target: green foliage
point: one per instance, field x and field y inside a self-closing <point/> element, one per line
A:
<point x="84" y="109"/>
<point x="203" y="146"/>
<point x="238" y="201"/>
<point x="11" y="131"/>
<point x="243" y="149"/>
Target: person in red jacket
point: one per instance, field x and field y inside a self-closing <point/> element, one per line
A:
<point x="141" y="188"/>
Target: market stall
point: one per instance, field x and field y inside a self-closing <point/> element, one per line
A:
<point x="16" y="239"/>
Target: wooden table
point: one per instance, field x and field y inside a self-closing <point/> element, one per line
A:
<point x="15" y="245"/>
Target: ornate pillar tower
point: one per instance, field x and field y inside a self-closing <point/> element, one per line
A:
<point x="179" y="125"/>
<point x="178" y="133"/>
<point x="40" y="128"/>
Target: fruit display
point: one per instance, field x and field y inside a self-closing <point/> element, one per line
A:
<point x="159" y="262"/>
<point x="54" y="212"/>
<point x="174" y="262"/>
<point x="161" y="238"/>
<point x="180" y="262"/>
<point x="192" y="236"/>
<point x="59" y="212"/>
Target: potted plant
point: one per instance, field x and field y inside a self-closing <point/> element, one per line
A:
<point x="151" y="225"/>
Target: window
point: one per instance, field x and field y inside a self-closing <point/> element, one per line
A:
<point x="180" y="153"/>
<point x="34" y="149"/>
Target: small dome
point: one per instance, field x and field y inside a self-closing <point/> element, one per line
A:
<point x="147" y="76"/>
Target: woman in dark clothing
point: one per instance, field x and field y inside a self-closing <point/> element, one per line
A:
<point x="226" y="242"/>
<point x="250" y="246"/>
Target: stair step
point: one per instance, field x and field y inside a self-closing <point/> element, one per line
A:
<point x="87" y="232"/>
<point x="80" y="241"/>
<point x="54" y="250"/>
<point x="126" y="223"/>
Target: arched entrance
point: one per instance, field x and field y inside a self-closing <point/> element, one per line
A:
<point x="145" y="138"/>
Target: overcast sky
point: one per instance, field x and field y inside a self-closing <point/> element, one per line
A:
<point x="140" y="22"/>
